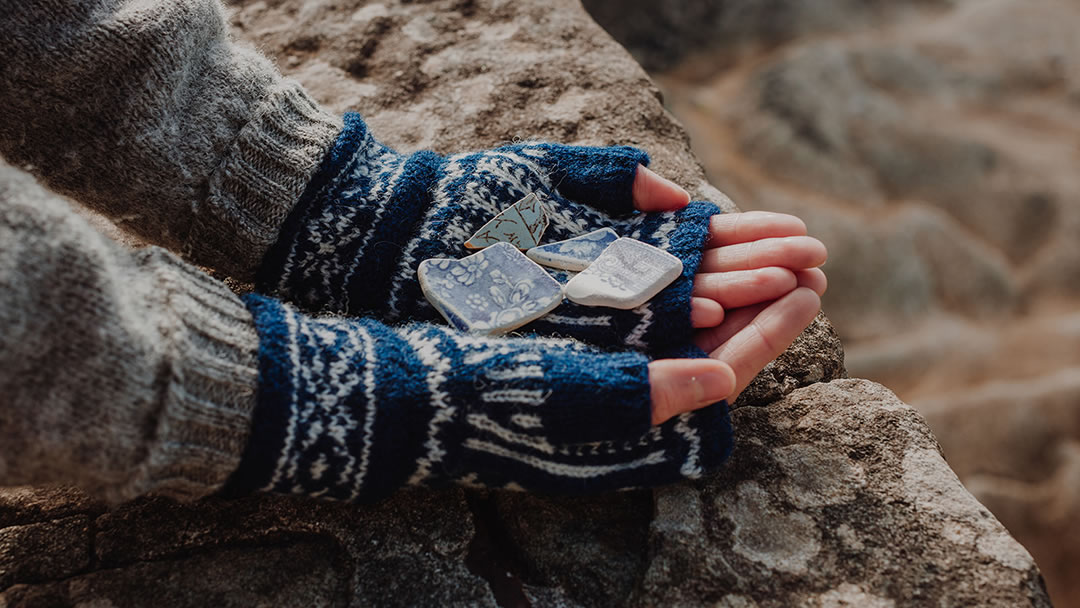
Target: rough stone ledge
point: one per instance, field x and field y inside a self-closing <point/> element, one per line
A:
<point x="837" y="494"/>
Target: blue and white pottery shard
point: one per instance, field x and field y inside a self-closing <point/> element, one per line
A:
<point x="522" y="224"/>
<point x="626" y="275"/>
<point x="489" y="292"/>
<point x="574" y="254"/>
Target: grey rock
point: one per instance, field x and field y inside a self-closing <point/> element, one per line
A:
<point x="660" y="34"/>
<point x="836" y="495"/>
<point x="23" y="505"/>
<point x="594" y="549"/>
<point x="382" y="547"/>
<point x="303" y="573"/>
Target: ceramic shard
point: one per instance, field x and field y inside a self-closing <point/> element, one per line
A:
<point x="574" y="254"/>
<point x="489" y="292"/>
<point x="626" y="275"/>
<point x="521" y="224"/>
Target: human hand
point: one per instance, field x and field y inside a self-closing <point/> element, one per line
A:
<point x="757" y="288"/>
<point x="738" y="350"/>
<point x="750" y="257"/>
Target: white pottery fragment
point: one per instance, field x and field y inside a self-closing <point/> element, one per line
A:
<point x="489" y="292"/>
<point x="626" y="275"/>
<point x="521" y="224"/>
<point x="576" y="253"/>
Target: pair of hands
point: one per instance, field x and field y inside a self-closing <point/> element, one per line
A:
<point x="758" y="287"/>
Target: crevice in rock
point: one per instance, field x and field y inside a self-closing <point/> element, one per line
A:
<point x="93" y="562"/>
<point x="277" y="539"/>
<point x="491" y="554"/>
<point x="1036" y="589"/>
<point x="340" y="557"/>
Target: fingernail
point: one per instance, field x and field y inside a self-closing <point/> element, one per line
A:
<point x="679" y="188"/>
<point x="672" y="185"/>
<point x="710" y="387"/>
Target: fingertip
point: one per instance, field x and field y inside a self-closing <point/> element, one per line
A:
<point x="777" y="275"/>
<point x="813" y="278"/>
<point x="819" y="251"/>
<point x="796" y="225"/>
<point x="722" y="374"/>
<point x="806" y="301"/>
<point x="652" y="192"/>
<point x="705" y="312"/>
<point x="683" y="385"/>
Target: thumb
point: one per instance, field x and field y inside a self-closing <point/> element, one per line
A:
<point x="682" y="385"/>
<point x="654" y="193"/>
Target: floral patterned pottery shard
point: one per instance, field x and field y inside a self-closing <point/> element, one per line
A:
<point x="489" y="292"/>
<point x="576" y="253"/>
<point x="522" y="224"/>
<point x="626" y="275"/>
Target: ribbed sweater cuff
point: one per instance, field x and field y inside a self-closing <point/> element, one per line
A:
<point x="260" y="180"/>
<point x="205" y="421"/>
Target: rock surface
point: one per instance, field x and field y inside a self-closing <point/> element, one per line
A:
<point x="836" y="495"/>
<point x="933" y="146"/>
<point x="662" y="34"/>
<point x="814" y="509"/>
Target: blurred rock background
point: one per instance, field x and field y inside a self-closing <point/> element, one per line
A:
<point x="935" y="146"/>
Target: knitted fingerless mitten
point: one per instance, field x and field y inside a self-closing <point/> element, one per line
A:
<point x="352" y="409"/>
<point x="370" y="216"/>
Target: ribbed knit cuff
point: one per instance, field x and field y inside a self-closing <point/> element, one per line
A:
<point x="210" y="395"/>
<point x="260" y="180"/>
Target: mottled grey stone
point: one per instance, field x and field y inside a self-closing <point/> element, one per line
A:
<point x="24" y="505"/>
<point x="660" y="34"/>
<point x="592" y="548"/>
<point x="386" y="547"/>
<point x="836" y="495"/>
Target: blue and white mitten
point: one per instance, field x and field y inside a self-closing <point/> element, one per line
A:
<point x="370" y="216"/>
<point x="353" y="409"/>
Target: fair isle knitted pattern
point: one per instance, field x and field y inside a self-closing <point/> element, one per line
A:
<point x="370" y="216"/>
<point x="352" y="409"/>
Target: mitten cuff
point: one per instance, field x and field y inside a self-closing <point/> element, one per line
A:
<point x="204" y="423"/>
<point x="260" y="180"/>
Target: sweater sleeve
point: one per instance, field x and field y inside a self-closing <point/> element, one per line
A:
<point x="149" y="113"/>
<point x="121" y="372"/>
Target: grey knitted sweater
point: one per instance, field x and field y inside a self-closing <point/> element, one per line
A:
<point x="128" y="372"/>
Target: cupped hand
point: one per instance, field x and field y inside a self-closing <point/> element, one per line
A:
<point x="757" y="288"/>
